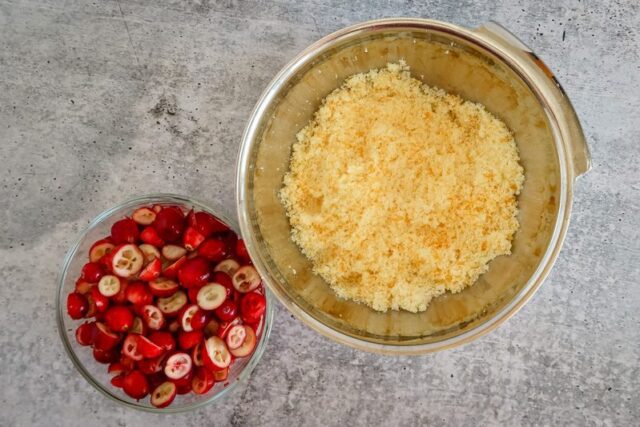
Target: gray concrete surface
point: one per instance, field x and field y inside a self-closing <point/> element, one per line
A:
<point x="78" y="85"/>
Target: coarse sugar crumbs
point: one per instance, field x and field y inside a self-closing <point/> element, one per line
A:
<point x="398" y="192"/>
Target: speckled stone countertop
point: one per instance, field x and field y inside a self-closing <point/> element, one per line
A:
<point x="106" y="99"/>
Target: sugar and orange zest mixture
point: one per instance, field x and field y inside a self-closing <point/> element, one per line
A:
<point x="398" y="192"/>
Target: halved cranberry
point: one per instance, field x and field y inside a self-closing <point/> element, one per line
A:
<point x="202" y="381"/>
<point x="173" y="252"/>
<point x="104" y="338"/>
<point x="252" y="307"/>
<point x="124" y="231"/>
<point x="178" y="366"/>
<point x="135" y="385"/>
<point x="138" y="326"/>
<point x="192" y="238"/>
<point x="130" y="347"/>
<point x="143" y="216"/>
<point x="236" y="336"/>
<point x="116" y="368"/>
<point x="119" y="318"/>
<point x="138" y="294"/>
<point x="248" y="345"/>
<point x="92" y="272"/>
<point x="151" y="366"/>
<point x="246" y="279"/>
<point x="109" y="285"/>
<point x="171" y="271"/>
<point x="150" y="252"/>
<point x="211" y="296"/>
<point x="211" y="328"/>
<point x="121" y="296"/>
<point x="206" y="223"/>
<point x="188" y="340"/>
<point x="150" y="236"/>
<point x="195" y="272"/>
<point x="127" y="260"/>
<point x="100" y="302"/>
<point x="225" y="327"/>
<point x="214" y="250"/>
<point x="86" y="333"/>
<point x="227" y="311"/>
<point x="169" y="223"/>
<point x="151" y="271"/>
<point x="128" y="363"/>
<point x="241" y="251"/>
<point x="171" y="306"/>
<point x="224" y="280"/>
<point x="163" y="395"/>
<point x="104" y="356"/>
<point x="196" y="354"/>
<point x="228" y="266"/>
<point x="77" y="305"/>
<point x="100" y="249"/>
<point x="221" y="375"/>
<point x="163" y="287"/>
<point x="83" y="287"/>
<point x="164" y="340"/>
<point x="153" y="317"/>
<point x="148" y="348"/>
<point x="118" y="380"/>
<point x="215" y="354"/>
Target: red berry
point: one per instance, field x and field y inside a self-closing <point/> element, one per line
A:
<point x="125" y="231"/>
<point x="143" y="216"/>
<point x="148" y="348"/>
<point x="121" y="296"/>
<point x="188" y="340"/>
<point x="224" y="280"/>
<point x="163" y="394"/>
<point x="131" y="347"/>
<point x="100" y="249"/>
<point x="241" y="251"/>
<point x="86" y="333"/>
<point x="194" y="272"/>
<point x="104" y="356"/>
<point x="119" y="319"/>
<point x="171" y="272"/>
<point x="227" y="311"/>
<point x="101" y="302"/>
<point x="77" y="305"/>
<point x="169" y="223"/>
<point x="150" y="236"/>
<point x="214" y="250"/>
<point x="104" y="338"/>
<point x="135" y="385"/>
<point x="192" y="239"/>
<point x="164" y="340"/>
<point x="202" y="381"/>
<point x="139" y="294"/>
<point x="206" y="223"/>
<point x="83" y="287"/>
<point x="127" y="363"/>
<point x="151" y="271"/>
<point x="92" y="272"/>
<point x="117" y="380"/>
<point x="252" y="307"/>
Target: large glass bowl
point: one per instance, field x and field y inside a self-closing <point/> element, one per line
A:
<point x="486" y="65"/>
<point x="82" y="358"/>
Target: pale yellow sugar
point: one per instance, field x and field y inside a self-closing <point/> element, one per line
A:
<point x="398" y="192"/>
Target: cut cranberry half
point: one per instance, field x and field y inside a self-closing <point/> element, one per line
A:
<point x="119" y="318"/>
<point x="153" y="317"/>
<point x="148" y="348"/>
<point x="195" y="272"/>
<point x="144" y="216"/>
<point x="104" y="356"/>
<point x="211" y="296"/>
<point x="221" y="375"/>
<point x="202" y="381"/>
<point x="77" y="305"/>
<point x="214" y="250"/>
<point x="124" y="231"/>
<point x="215" y="354"/>
<point x="228" y="266"/>
<point x="150" y="252"/>
<point x="169" y="223"/>
<point x="130" y="347"/>
<point x="246" y="279"/>
<point x="127" y="260"/>
<point x="100" y="249"/>
<point x="135" y="385"/>
<point x="92" y="272"/>
<point x="138" y="294"/>
<point x="236" y="337"/>
<point x="188" y="340"/>
<point x="252" y="307"/>
<point x="225" y="327"/>
<point x="187" y="315"/>
<point x="163" y="287"/>
<point x="138" y="326"/>
<point x="211" y="328"/>
<point x="151" y="271"/>
<point x="192" y="239"/>
<point x="170" y="306"/>
<point x="104" y="338"/>
<point x="151" y="366"/>
<point x="150" y="235"/>
<point x="248" y="345"/>
<point x="227" y="311"/>
<point x="172" y="270"/>
<point x="164" y="340"/>
<point x="99" y="301"/>
<point x="86" y="333"/>
<point x="173" y="252"/>
<point x="109" y="285"/>
<point x="163" y="395"/>
<point x="206" y="223"/>
<point x="196" y="354"/>
<point x="83" y="287"/>
<point x="178" y="366"/>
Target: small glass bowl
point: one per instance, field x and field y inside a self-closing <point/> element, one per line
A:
<point x="96" y="373"/>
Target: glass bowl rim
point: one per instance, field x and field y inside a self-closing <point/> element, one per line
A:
<point x="242" y="377"/>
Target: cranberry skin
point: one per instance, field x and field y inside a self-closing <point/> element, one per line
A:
<point x="224" y="280"/>
<point x="164" y="340"/>
<point x="105" y="356"/>
<point x="135" y="384"/>
<point x="227" y="311"/>
<point x="195" y="272"/>
<point x="101" y="302"/>
<point x="241" y="250"/>
<point x="86" y="333"/>
<point x="92" y="272"/>
<point x="125" y="231"/>
<point x="139" y="294"/>
<point x="169" y="223"/>
<point x="119" y="319"/>
<point x="252" y="307"/>
<point x="213" y="250"/>
<point x="206" y="223"/>
<point x="77" y="305"/>
<point x="188" y="340"/>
